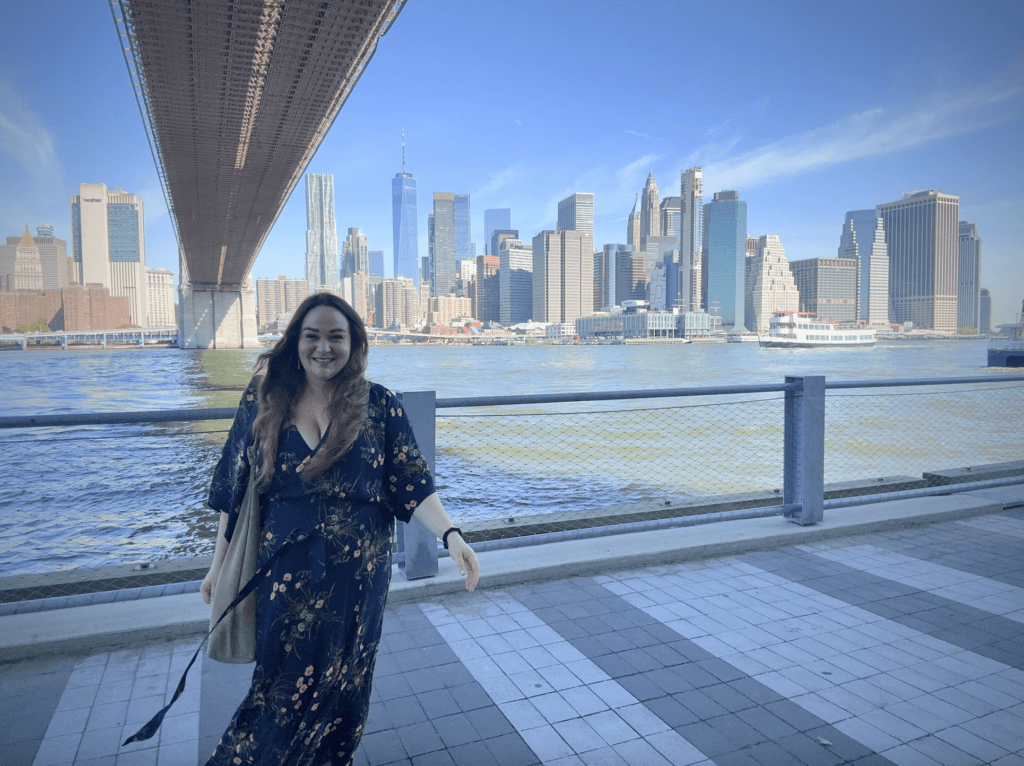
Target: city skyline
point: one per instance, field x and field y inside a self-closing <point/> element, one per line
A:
<point x="924" y="102"/>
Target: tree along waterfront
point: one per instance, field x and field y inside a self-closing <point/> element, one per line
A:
<point x="99" y="495"/>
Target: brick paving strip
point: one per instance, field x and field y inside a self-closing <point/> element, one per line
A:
<point x="898" y="647"/>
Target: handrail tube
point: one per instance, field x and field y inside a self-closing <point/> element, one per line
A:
<point x="942" y="489"/>
<point x="596" y="396"/>
<point x="894" y="382"/>
<point x="226" y="413"/>
<point x="117" y="418"/>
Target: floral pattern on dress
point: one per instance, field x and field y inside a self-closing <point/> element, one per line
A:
<point x="320" y="609"/>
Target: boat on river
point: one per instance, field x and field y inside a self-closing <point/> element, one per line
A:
<point x="1008" y="352"/>
<point x="798" y="329"/>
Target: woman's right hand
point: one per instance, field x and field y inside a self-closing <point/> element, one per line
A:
<point x="206" y="589"/>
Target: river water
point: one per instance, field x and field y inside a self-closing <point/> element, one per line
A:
<point x="88" y="496"/>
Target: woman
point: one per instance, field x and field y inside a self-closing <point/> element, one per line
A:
<point x="343" y="464"/>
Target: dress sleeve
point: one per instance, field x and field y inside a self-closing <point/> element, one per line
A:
<point x="407" y="478"/>
<point x="231" y="477"/>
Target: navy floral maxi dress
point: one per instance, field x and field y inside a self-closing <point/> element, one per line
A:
<point x="320" y="609"/>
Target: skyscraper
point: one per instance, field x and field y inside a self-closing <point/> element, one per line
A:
<point x="863" y="238"/>
<point x="357" y="253"/>
<point x="769" y="284"/>
<point x="377" y="263"/>
<point x="496" y="219"/>
<point x="53" y="256"/>
<point x="321" y="233"/>
<point x="403" y="223"/>
<point x="922" y="232"/>
<point x="650" y="209"/>
<point x="463" y="231"/>
<point x="487" y="292"/>
<point x="108" y="245"/>
<point x="968" y="296"/>
<point x="160" y="292"/>
<point x="515" y="282"/>
<point x="28" y="266"/>
<point x="576" y="213"/>
<point x="671" y="216"/>
<point x="633" y="225"/>
<point x="442" y="239"/>
<point x="280" y="297"/>
<point x="724" y="238"/>
<point x="828" y="287"/>
<point x="985" y="312"/>
<point x="563" y="276"/>
<point x="691" y="229"/>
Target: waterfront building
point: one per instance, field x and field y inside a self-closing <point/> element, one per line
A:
<point x="985" y="312"/>
<point x="644" y="325"/>
<point x="396" y="303"/>
<point x="70" y="309"/>
<point x="487" y="289"/>
<point x="495" y="220"/>
<point x="968" y="296"/>
<point x="691" y="231"/>
<point x="53" y="257"/>
<point x="464" y="247"/>
<point x="279" y="297"/>
<point x="922" y="231"/>
<point x="671" y="217"/>
<point x="650" y="209"/>
<point x="576" y="213"/>
<point x="563" y="275"/>
<point x="873" y="254"/>
<point x="108" y="245"/>
<point x="619" y="275"/>
<point x="724" y="240"/>
<point x="160" y="289"/>
<point x="863" y="238"/>
<point x="828" y="287"/>
<point x="444" y="308"/>
<point x="321" y="233"/>
<point x="769" y="284"/>
<point x="357" y="254"/>
<point x="442" y="244"/>
<point x="633" y="225"/>
<point x="377" y="264"/>
<point x="27" y="271"/>
<point x="405" y="237"/>
<point x="515" y="282"/>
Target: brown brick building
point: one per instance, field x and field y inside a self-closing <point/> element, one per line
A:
<point x="73" y="309"/>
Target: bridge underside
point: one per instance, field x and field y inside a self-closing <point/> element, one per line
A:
<point x="236" y="96"/>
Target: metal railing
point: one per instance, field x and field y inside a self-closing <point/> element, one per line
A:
<point x="549" y="467"/>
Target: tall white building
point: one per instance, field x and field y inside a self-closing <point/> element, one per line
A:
<point x="576" y="213"/>
<point x="769" y="284"/>
<point x="691" y="192"/>
<point x="922" y="232"/>
<point x="321" y="233"/>
<point x="160" y="286"/>
<point x="563" y="276"/>
<point x="864" y="238"/>
<point x="109" y="245"/>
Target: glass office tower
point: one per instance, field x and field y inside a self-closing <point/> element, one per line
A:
<point x="724" y="240"/>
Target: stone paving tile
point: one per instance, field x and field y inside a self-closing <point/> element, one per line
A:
<point x="898" y="647"/>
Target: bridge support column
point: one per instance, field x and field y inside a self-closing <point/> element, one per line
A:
<point x="218" y="316"/>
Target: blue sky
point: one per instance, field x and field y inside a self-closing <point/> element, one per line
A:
<point x="808" y="109"/>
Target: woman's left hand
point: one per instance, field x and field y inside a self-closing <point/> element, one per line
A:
<point x="464" y="559"/>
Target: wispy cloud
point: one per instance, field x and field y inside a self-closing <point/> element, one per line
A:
<point x="636" y="133"/>
<point x="24" y="137"/>
<point x="871" y="133"/>
<point x="497" y="181"/>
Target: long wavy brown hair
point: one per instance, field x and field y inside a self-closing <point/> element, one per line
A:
<point x="283" y="380"/>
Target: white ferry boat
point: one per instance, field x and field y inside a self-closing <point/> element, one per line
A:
<point x="792" y="329"/>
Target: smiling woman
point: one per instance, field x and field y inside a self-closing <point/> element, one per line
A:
<point x="337" y="463"/>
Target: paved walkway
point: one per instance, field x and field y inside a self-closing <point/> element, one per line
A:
<point x="897" y="647"/>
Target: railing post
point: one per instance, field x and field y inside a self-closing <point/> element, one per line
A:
<point x="804" y="460"/>
<point x="417" y="543"/>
